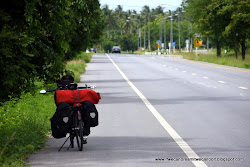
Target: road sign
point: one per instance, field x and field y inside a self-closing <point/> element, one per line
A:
<point x="158" y="46"/>
<point x="158" y="42"/>
<point x="196" y="42"/>
<point x="173" y="43"/>
<point x="200" y="43"/>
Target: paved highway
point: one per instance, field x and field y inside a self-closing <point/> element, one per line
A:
<point x="160" y="111"/>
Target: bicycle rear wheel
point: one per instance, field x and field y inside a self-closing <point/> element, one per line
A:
<point x="79" y="135"/>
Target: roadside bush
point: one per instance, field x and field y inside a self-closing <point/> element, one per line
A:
<point x="77" y="65"/>
<point x="24" y="126"/>
<point x="24" y="121"/>
<point x="85" y="56"/>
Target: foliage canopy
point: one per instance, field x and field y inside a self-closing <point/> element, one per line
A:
<point x="37" y="37"/>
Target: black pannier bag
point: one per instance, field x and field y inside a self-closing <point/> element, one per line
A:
<point x="61" y="122"/>
<point x="90" y="114"/>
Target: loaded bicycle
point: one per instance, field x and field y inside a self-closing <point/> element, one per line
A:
<point x="75" y="114"/>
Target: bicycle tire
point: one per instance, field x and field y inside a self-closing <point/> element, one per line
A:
<point x="79" y="135"/>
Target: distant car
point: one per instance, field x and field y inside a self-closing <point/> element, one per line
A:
<point x="92" y="50"/>
<point x="116" y="49"/>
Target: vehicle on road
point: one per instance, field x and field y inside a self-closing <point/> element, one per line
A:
<point x="92" y="50"/>
<point x="116" y="49"/>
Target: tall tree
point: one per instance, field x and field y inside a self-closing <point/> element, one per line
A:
<point x="209" y="20"/>
<point x="37" y="35"/>
<point x="238" y="29"/>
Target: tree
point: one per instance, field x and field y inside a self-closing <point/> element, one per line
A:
<point x="224" y="21"/>
<point x="128" y="42"/>
<point x="238" y="30"/>
<point x="37" y="37"/>
<point x="209" y="20"/>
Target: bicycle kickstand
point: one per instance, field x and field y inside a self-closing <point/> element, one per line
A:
<point x="63" y="144"/>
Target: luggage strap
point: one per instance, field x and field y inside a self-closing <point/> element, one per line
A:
<point x="75" y="102"/>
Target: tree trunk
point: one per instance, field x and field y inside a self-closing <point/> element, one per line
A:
<point x="236" y="53"/>
<point x="243" y="48"/>
<point x="236" y="50"/>
<point x="218" y="49"/>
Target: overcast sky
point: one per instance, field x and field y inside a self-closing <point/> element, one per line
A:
<point x="138" y="4"/>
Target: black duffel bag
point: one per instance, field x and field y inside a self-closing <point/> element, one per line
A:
<point x="61" y="122"/>
<point x="90" y="114"/>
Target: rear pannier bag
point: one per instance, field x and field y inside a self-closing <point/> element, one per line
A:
<point x="90" y="114"/>
<point x="61" y="122"/>
<point x="76" y="96"/>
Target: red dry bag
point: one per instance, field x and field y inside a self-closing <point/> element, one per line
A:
<point x="76" y="96"/>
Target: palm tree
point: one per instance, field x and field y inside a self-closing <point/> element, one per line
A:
<point x="119" y="13"/>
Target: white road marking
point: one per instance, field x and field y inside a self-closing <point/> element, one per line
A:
<point x="169" y="67"/>
<point x="205" y="77"/>
<point x="176" y="69"/>
<point x="221" y="82"/>
<point x="194" y="74"/>
<point x="164" y="65"/>
<point x="242" y="94"/>
<point x="209" y="86"/>
<point x="243" y="88"/>
<point x="184" y="71"/>
<point x="182" y="144"/>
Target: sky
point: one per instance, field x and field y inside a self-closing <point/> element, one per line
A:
<point x="138" y="4"/>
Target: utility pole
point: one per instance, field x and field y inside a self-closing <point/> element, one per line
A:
<point x="171" y="32"/>
<point x="165" y="34"/>
<point x="160" y="31"/>
<point x="145" y="37"/>
<point x="139" y="38"/>
<point x="140" y="32"/>
<point x="179" y="30"/>
<point x="149" y="48"/>
<point x="191" y="47"/>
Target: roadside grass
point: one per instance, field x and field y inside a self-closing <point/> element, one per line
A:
<point x="24" y="122"/>
<point x="84" y="56"/>
<point x="24" y="126"/>
<point x="78" y="65"/>
<point x="226" y="59"/>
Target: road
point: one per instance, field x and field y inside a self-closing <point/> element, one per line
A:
<point x="156" y="109"/>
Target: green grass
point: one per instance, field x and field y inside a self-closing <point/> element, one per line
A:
<point x="226" y="59"/>
<point x="78" y="65"/>
<point x="24" y="126"/>
<point x="24" y="122"/>
<point x="84" y="56"/>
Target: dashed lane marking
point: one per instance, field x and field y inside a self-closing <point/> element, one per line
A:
<point x="178" y="139"/>
<point x="243" y="88"/>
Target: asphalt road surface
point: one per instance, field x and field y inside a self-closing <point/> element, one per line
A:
<point x="162" y="111"/>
